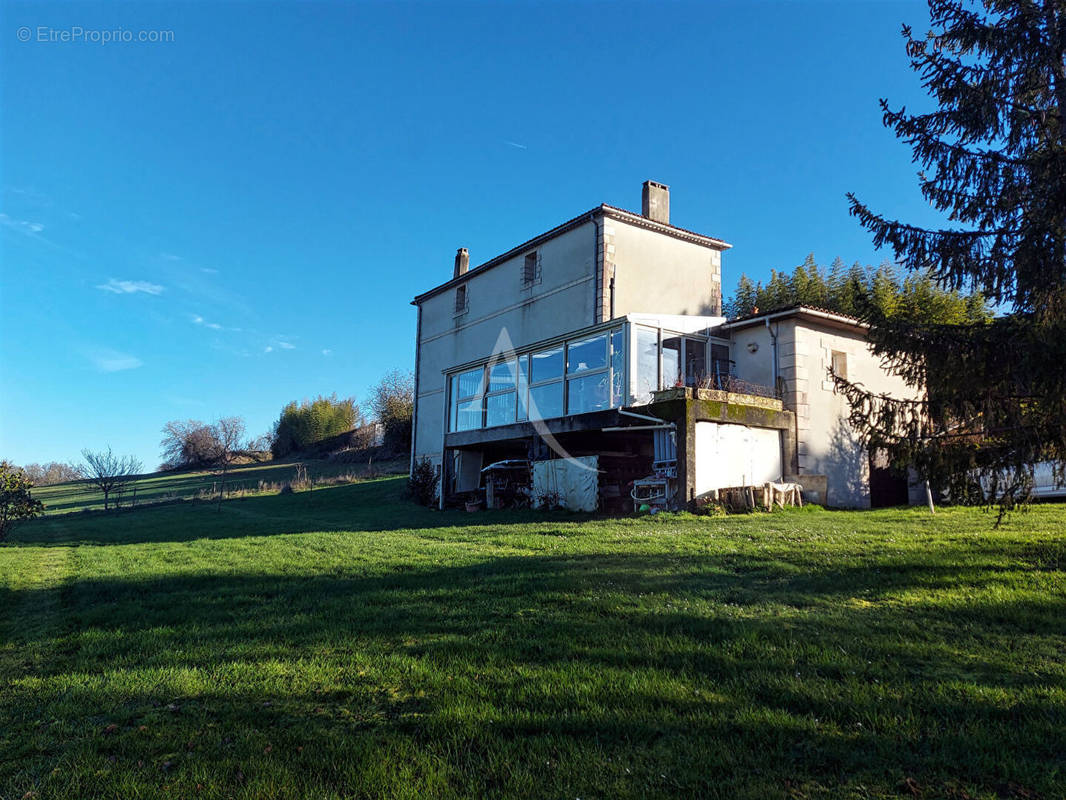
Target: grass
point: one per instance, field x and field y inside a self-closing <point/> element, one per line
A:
<point x="348" y="644"/>
<point x="158" y="487"/>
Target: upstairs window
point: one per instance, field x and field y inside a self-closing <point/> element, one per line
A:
<point x="840" y="364"/>
<point x="531" y="269"/>
<point x="460" y="300"/>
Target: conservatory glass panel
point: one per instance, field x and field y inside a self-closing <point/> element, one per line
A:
<point x="588" y="393"/>
<point x="502" y="376"/>
<point x="546" y="365"/>
<point x="695" y="361"/>
<point x="468" y="414"/>
<point x="469" y="383"/>
<point x="546" y="401"/>
<point x="500" y="409"/>
<point x="671" y="362"/>
<point x="523" y="387"/>
<point x="586" y="354"/>
<point x="618" y="368"/>
<point x="647" y="363"/>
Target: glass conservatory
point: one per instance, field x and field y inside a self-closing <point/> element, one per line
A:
<point x="606" y="366"/>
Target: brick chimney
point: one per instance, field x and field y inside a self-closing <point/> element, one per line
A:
<point x="462" y="261"/>
<point x="655" y="202"/>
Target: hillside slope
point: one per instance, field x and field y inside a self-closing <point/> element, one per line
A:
<point x="348" y="644"/>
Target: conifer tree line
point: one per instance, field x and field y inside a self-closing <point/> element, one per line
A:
<point x="850" y="290"/>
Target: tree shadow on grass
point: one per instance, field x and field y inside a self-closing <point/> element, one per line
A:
<point x="368" y="506"/>
<point x="730" y="676"/>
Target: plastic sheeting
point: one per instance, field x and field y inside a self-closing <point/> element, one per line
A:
<point x="572" y="483"/>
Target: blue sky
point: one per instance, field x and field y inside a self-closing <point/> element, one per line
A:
<point x="238" y="218"/>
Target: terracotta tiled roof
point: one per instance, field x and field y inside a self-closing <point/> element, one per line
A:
<point x="796" y="309"/>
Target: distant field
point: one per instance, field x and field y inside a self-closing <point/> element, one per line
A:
<point x="159" y="486"/>
<point x="348" y="644"/>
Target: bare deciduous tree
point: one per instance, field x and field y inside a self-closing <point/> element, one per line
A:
<point x="108" y="472"/>
<point x="259" y="447"/>
<point x="228" y="444"/>
<point x="53" y="472"/>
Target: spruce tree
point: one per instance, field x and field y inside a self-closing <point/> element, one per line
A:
<point x="992" y="394"/>
<point x="744" y="300"/>
<point x="800" y="282"/>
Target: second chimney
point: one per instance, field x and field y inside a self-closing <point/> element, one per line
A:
<point x="655" y="202"/>
<point x="462" y="261"/>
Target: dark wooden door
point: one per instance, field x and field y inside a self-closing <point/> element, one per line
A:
<point x="888" y="486"/>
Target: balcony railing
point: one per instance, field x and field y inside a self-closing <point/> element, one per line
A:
<point x="735" y="385"/>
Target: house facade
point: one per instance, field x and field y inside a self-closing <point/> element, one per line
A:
<point x="601" y="342"/>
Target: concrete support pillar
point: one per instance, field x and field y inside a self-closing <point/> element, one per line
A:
<point x="686" y="456"/>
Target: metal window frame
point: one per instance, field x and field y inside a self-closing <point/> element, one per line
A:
<point x="455" y="402"/>
<point x="499" y="392"/>
<point x="706" y="340"/>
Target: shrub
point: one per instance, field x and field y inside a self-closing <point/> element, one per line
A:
<point x="188" y="444"/>
<point x="301" y="426"/>
<point x="707" y="507"/>
<point x="15" y="500"/>
<point x="393" y="403"/>
<point x="423" y="482"/>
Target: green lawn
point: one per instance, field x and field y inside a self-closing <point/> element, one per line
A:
<point x="155" y="487"/>
<point x="348" y="644"/>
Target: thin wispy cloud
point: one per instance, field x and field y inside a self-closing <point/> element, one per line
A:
<point x="107" y="360"/>
<point x="130" y="287"/>
<point x="215" y="326"/>
<point x="516" y="145"/>
<point x="202" y="284"/>
<point x="28" y="227"/>
<point x="278" y="343"/>
<point x="327" y="352"/>
<point x="33" y="230"/>
<point x="198" y="320"/>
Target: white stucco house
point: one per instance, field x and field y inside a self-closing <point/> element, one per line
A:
<point x="602" y="341"/>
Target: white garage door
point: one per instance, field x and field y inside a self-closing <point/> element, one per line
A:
<point x="735" y="455"/>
